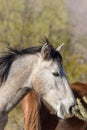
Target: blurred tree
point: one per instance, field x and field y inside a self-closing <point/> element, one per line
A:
<point x="23" y="23"/>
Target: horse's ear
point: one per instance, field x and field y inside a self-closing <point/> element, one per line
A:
<point x="46" y="50"/>
<point x="60" y="47"/>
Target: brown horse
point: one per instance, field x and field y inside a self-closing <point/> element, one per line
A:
<point x="41" y="119"/>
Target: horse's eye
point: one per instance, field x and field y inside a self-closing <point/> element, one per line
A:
<point x="56" y="74"/>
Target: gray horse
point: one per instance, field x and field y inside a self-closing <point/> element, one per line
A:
<point x="39" y="68"/>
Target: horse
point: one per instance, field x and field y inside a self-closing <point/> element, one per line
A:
<point x="36" y="68"/>
<point x="36" y="118"/>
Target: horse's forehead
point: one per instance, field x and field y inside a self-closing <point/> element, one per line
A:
<point x="52" y="64"/>
<point x="55" y="65"/>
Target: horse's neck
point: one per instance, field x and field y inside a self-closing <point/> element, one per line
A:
<point x="19" y="73"/>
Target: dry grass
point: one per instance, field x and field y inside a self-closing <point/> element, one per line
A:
<point x="80" y="111"/>
<point x="15" y="121"/>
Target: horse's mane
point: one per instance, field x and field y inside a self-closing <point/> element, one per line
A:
<point x="30" y="109"/>
<point x="8" y="57"/>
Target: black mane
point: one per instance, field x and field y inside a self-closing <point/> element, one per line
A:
<point x="8" y="57"/>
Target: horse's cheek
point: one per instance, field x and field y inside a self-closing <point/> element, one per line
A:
<point x="37" y="84"/>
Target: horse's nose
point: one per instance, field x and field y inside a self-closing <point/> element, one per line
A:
<point x="71" y="107"/>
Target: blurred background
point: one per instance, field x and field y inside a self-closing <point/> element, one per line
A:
<point x="24" y="23"/>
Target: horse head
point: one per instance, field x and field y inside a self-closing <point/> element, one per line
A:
<point x="49" y="80"/>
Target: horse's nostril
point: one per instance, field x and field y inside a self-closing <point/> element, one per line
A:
<point x="70" y="109"/>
